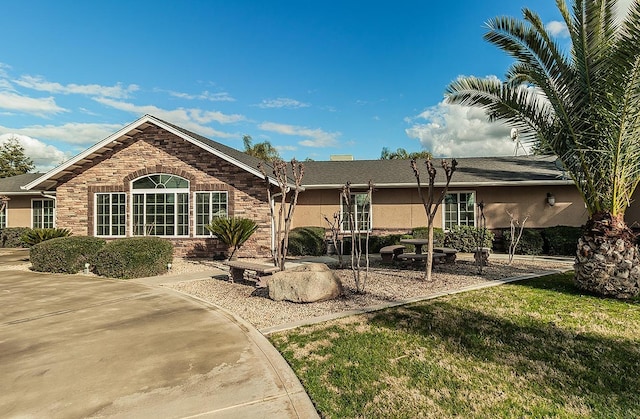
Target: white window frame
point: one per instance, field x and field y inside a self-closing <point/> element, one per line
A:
<point x="444" y="209"/>
<point x="53" y="215"/>
<point x="158" y="191"/>
<point x="4" y="216"/>
<point x="211" y="214"/>
<point x="95" y="214"/>
<point x="343" y="221"/>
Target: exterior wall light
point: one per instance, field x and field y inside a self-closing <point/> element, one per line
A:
<point x="551" y="200"/>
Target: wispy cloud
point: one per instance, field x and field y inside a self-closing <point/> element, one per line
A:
<point x="315" y="137"/>
<point x="75" y="133"/>
<point x="282" y="102"/>
<point x="459" y="131"/>
<point x="44" y="156"/>
<point x="191" y="119"/>
<point x="118" y="91"/>
<point x="206" y="95"/>
<point x="3" y="70"/>
<point x="35" y="106"/>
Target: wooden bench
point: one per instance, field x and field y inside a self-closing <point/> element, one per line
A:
<point x="390" y="253"/>
<point x="237" y="268"/>
<point x="416" y="257"/>
<point x="450" y="253"/>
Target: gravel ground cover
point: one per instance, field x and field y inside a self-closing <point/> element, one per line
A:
<point x="385" y="284"/>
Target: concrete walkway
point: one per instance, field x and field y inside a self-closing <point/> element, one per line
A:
<point x="76" y="346"/>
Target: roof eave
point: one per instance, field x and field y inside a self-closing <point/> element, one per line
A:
<point x="451" y="185"/>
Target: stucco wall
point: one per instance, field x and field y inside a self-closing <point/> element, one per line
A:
<point x="402" y="209"/>
<point x="157" y="151"/>
<point x="19" y="210"/>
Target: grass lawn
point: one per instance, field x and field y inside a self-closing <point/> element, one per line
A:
<point x="536" y="348"/>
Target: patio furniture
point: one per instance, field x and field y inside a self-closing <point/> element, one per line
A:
<point x="418" y="257"/>
<point x="390" y="253"/>
<point x="418" y="243"/>
<point x="481" y="255"/>
<point x="237" y="268"/>
<point x="449" y="251"/>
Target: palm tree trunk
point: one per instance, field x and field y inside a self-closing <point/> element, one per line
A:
<point x="607" y="261"/>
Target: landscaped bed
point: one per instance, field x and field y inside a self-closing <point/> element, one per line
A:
<point x="535" y="348"/>
<point x="386" y="284"/>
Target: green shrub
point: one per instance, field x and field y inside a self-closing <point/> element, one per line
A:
<point x="378" y="242"/>
<point x="134" y="257"/>
<point x="561" y="240"/>
<point x="423" y="233"/>
<point x="232" y="231"/>
<point x="38" y="235"/>
<point x="531" y="242"/>
<point x="307" y="241"/>
<point x="464" y="238"/>
<point x="65" y="254"/>
<point x="12" y="236"/>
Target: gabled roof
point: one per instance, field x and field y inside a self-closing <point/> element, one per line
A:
<point x="13" y="185"/>
<point x="471" y="171"/>
<point x="233" y="156"/>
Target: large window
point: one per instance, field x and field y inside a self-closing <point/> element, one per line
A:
<point x="209" y="205"/>
<point x="160" y="206"/>
<point x="42" y="213"/>
<point x="111" y="214"/>
<point x="459" y="209"/>
<point x="361" y="210"/>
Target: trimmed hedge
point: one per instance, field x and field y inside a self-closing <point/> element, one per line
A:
<point x="561" y="240"/>
<point x="134" y="257"/>
<point x="307" y="241"/>
<point x="65" y="254"/>
<point x="463" y="238"/>
<point x="12" y="236"/>
<point x="423" y="233"/>
<point x="531" y="242"/>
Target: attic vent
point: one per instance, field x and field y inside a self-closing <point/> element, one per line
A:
<point x="341" y="157"/>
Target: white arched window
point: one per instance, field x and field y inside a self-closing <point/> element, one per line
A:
<point x="160" y="205"/>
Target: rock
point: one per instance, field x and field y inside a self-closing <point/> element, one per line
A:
<point x="307" y="284"/>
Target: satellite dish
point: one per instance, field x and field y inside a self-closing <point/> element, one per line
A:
<point x="515" y="137"/>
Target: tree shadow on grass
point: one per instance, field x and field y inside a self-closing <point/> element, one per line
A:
<point x="561" y="362"/>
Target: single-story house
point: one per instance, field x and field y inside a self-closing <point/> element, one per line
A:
<point x="155" y="178"/>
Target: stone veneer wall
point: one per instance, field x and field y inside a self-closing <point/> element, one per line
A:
<point x="152" y="151"/>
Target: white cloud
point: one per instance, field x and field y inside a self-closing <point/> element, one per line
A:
<point x="282" y="102"/>
<point x="72" y="133"/>
<point x="44" y="156"/>
<point x="191" y="119"/>
<point x="557" y="29"/>
<point x="460" y="131"/>
<point x="40" y="84"/>
<point x="316" y="137"/>
<point x="3" y="69"/>
<point x="35" y="106"/>
<point x="206" y="95"/>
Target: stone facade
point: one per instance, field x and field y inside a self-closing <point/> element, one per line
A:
<point x="155" y="151"/>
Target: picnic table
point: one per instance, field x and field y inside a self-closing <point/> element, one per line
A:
<point x="418" y="243"/>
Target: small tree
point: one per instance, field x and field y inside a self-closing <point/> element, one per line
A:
<point x="233" y="231"/>
<point x="13" y="160"/>
<point x="334" y="227"/>
<point x="263" y="150"/>
<point x="356" y="235"/>
<point x="285" y="214"/>
<point x="430" y="202"/>
<point x="515" y="230"/>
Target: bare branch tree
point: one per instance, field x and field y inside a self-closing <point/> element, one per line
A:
<point x="516" y="229"/>
<point x="334" y="227"/>
<point x="430" y="202"/>
<point x="285" y="213"/>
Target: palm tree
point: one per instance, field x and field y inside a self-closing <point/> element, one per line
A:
<point x="232" y="231"/>
<point x="585" y="107"/>
<point x="263" y="150"/>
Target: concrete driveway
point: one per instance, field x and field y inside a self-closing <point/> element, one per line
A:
<point x="78" y="346"/>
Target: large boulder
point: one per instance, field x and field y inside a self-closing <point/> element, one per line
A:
<point x="306" y="284"/>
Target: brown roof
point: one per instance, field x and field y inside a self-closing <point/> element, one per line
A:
<point x="470" y="171"/>
<point x="11" y="185"/>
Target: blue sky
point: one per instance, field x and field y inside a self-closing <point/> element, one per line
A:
<point x="314" y="78"/>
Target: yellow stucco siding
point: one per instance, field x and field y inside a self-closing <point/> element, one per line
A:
<point x="19" y="210"/>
